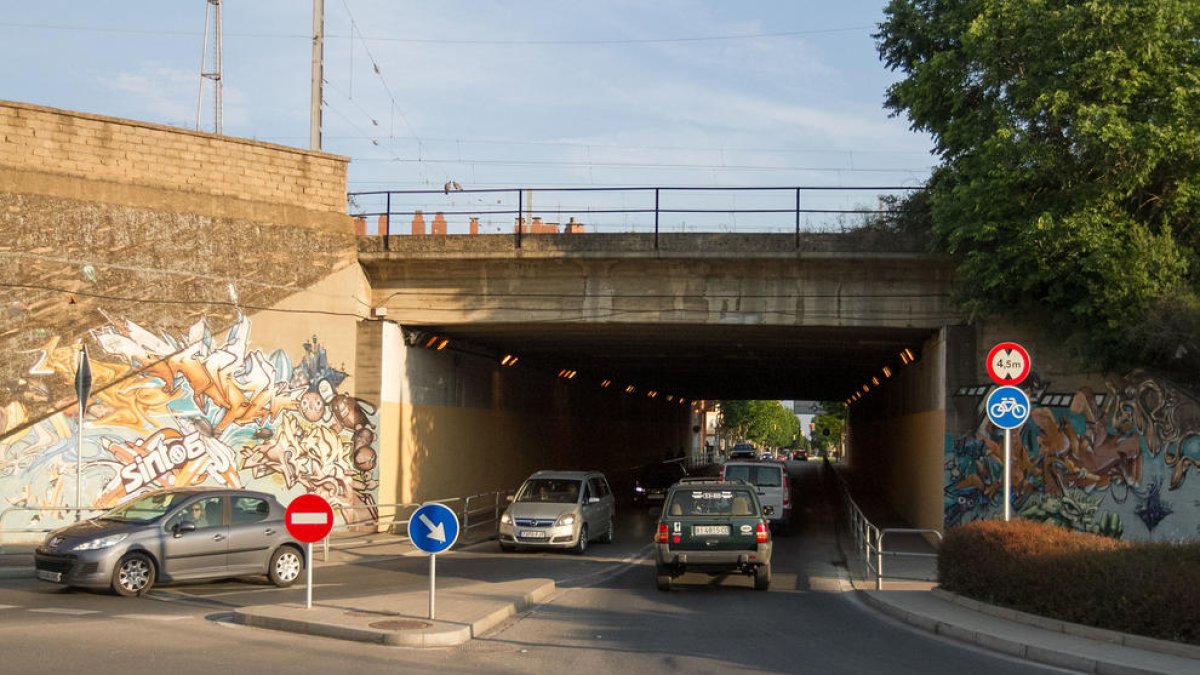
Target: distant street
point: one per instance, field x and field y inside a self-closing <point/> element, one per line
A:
<point x="606" y="617"/>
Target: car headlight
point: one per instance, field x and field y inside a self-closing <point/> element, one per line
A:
<point x="566" y="519"/>
<point x="639" y="488"/>
<point x="102" y="542"/>
<point x="506" y="518"/>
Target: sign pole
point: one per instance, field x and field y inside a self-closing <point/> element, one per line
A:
<point x="308" y="579"/>
<point x="432" y="582"/>
<point x="1007" y="473"/>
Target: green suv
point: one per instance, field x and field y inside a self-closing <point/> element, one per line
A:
<point x="716" y="527"/>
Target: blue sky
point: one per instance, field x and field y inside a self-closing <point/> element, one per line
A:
<point x="500" y="93"/>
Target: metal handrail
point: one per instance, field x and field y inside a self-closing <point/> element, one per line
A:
<point x="869" y="539"/>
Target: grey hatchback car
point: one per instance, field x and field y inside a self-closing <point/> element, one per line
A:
<point x="174" y="535"/>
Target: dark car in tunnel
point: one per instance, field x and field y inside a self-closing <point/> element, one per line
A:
<point x="652" y="481"/>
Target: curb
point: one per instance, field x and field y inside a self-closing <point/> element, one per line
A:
<point x="438" y="634"/>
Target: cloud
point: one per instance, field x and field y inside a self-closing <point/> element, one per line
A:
<point x="167" y="95"/>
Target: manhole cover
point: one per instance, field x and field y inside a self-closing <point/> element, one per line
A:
<point x="400" y="624"/>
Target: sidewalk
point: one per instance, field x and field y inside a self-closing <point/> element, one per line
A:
<point x="910" y="594"/>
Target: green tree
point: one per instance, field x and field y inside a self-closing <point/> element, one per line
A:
<point x="829" y="425"/>
<point x="1069" y="182"/>
<point x="765" y="422"/>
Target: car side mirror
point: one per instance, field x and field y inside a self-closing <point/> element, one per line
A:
<point x="768" y="510"/>
<point x="509" y="498"/>
<point x="184" y="527"/>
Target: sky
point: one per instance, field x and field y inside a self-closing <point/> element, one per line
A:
<point x="504" y="93"/>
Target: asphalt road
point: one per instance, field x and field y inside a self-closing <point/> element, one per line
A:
<point x="607" y="617"/>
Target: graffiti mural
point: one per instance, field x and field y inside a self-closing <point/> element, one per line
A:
<point x="1121" y="463"/>
<point x="193" y="409"/>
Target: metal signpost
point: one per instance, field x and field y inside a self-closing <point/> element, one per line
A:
<point x="309" y="518"/>
<point x="1008" y="407"/>
<point x="83" y="389"/>
<point x="433" y="528"/>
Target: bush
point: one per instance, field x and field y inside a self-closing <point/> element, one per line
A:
<point x="1148" y="589"/>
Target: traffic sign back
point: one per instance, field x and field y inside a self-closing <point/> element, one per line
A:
<point x="309" y="518"/>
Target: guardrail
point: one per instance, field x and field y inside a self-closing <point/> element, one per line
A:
<point x="869" y="539"/>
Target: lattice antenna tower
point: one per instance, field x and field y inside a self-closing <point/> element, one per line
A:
<point x="212" y="14"/>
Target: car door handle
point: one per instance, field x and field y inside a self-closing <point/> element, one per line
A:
<point x="270" y="532"/>
<point x="218" y="537"/>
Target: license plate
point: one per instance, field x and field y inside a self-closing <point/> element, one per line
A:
<point x="721" y="530"/>
<point x="532" y="534"/>
<point x="47" y="575"/>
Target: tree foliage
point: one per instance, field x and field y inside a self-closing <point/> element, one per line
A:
<point x="1069" y="137"/>
<point x="765" y="422"/>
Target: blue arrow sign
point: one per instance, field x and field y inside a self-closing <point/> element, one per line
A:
<point x="1007" y="407"/>
<point x="433" y="527"/>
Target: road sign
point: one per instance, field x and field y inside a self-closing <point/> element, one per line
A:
<point x="1007" y="407"/>
<point x="83" y="380"/>
<point x="309" y="518"/>
<point x="1008" y="363"/>
<point x="433" y="527"/>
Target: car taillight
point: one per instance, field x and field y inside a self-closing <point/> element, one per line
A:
<point x="787" y="490"/>
<point x="762" y="533"/>
<point x="663" y="533"/>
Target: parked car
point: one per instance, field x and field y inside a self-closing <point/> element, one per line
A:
<point x="652" y="481"/>
<point x="800" y="455"/>
<point x="772" y="484"/>
<point x="559" y="509"/>
<point x="713" y="527"/>
<point x="742" y="451"/>
<point x="174" y="535"/>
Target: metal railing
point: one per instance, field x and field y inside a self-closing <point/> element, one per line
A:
<point x="78" y="510"/>
<point x="869" y="539"/>
<point x="780" y="209"/>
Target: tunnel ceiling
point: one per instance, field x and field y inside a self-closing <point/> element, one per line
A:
<point x="702" y="362"/>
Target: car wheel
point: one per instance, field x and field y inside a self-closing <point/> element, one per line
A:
<point x="286" y="565"/>
<point x="581" y="545"/>
<point x="762" y="577"/>
<point x="663" y="581"/>
<point x="608" y="533"/>
<point x="134" y="575"/>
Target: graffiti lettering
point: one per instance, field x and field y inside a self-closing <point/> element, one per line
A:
<point x="164" y="455"/>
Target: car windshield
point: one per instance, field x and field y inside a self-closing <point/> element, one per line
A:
<point x="145" y="509"/>
<point x="549" y="490"/>
<point x="710" y="503"/>
<point x="764" y="475"/>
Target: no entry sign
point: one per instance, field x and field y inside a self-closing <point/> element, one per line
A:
<point x="1008" y="364"/>
<point x="309" y="518"/>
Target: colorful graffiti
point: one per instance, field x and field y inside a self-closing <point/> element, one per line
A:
<point x="1092" y="462"/>
<point x="193" y="409"/>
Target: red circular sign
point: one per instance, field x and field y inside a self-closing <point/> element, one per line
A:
<point x="1008" y="363"/>
<point x="309" y="518"/>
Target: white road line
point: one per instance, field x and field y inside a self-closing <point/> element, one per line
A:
<point x="59" y="610"/>
<point x="152" y="617"/>
<point x="9" y="606"/>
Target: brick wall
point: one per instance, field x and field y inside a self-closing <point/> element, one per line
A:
<point x="96" y="148"/>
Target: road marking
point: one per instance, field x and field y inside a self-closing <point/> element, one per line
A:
<point x="8" y="606"/>
<point x="59" y="610"/>
<point x="152" y="617"/>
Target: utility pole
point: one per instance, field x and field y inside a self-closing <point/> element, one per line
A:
<point x="213" y="10"/>
<point x="318" y="56"/>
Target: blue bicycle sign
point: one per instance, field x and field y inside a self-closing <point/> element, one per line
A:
<point x="1007" y="407"/>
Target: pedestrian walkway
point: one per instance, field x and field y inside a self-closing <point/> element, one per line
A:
<point x="909" y="593"/>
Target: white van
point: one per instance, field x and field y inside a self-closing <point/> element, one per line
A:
<point x="771" y="481"/>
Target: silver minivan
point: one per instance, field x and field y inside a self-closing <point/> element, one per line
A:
<point x="772" y="484"/>
<point x="559" y="509"/>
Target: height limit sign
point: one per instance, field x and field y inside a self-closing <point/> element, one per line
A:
<point x="1008" y="364"/>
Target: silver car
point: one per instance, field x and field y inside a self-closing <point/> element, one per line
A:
<point x="559" y="509"/>
<point x="174" y="535"/>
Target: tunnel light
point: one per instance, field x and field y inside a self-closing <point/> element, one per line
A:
<point x="442" y="345"/>
<point x="866" y="389"/>
<point x="682" y="401"/>
<point x="652" y="394"/>
<point x="875" y="381"/>
<point x="567" y="374"/>
<point x="509" y="360"/>
<point x="630" y="389"/>
<point x="431" y="341"/>
<point x="605" y="384"/>
<point x="670" y="397"/>
<point x="907" y="356"/>
<point x="887" y="372"/>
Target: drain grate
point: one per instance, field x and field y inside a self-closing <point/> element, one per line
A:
<point x="400" y="624"/>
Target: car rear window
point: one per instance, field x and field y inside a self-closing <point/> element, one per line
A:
<point x="764" y="475"/>
<point x="710" y="503"/>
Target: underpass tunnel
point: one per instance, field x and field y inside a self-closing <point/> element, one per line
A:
<point x="475" y="407"/>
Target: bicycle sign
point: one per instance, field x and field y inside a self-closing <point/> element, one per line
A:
<point x="1007" y="407"/>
